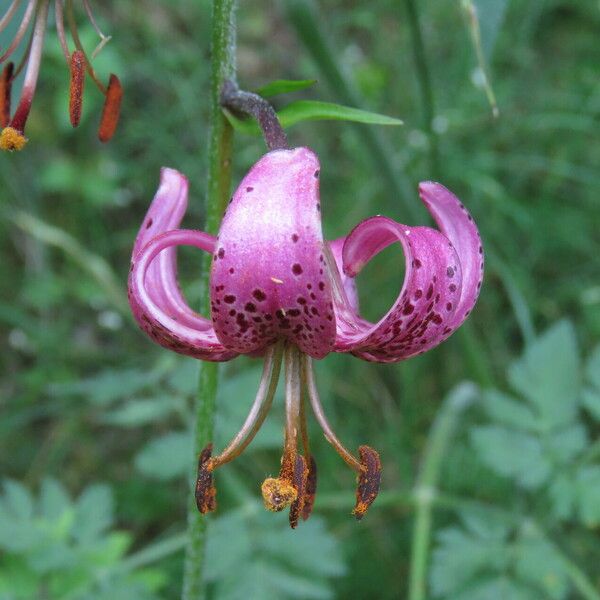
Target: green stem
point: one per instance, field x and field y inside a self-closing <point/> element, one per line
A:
<point x="424" y="80"/>
<point x="218" y="190"/>
<point x="425" y="490"/>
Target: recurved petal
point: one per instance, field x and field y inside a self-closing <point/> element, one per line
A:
<point x="269" y="276"/>
<point x="164" y="214"/>
<point x="458" y="226"/>
<point x="166" y="322"/>
<point x="442" y="279"/>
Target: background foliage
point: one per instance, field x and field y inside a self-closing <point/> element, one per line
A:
<point x="95" y="431"/>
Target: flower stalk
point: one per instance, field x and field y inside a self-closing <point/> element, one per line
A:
<point x="218" y="187"/>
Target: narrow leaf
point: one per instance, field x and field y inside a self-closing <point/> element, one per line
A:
<point x="284" y="86"/>
<point x="314" y="110"/>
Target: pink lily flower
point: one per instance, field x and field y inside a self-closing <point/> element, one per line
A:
<point x="278" y="288"/>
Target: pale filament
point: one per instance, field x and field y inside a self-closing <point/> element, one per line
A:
<point x="21" y="30"/>
<point x="259" y="410"/>
<point x="35" y="54"/>
<point x="60" y="29"/>
<point x="309" y="380"/>
<point x="9" y="14"/>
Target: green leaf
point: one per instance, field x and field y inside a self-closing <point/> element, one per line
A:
<point x="167" y="456"/>
<point x="495" y="588"/>
<point x="252" y="554"/>
<point x="508" y="411"/>
<point x="562" y="494"/>
<point x="314" y="110"/>
<point x="17" y="500"/>
<point x="588" y="495"/>
<point x="512" y="454"/>
<point x="591" y="401"/>
<point x="536" y="562"/>
<point x="592" y="368"/>
<point x="548" y="375"/>
<point x="54" y="499"/>
<point x="135" y="413"/>
<point x="564" y="445"/>
<point x="94" y="512"/>
<point x="109" y="385"/>
<point x="284" y="86"/>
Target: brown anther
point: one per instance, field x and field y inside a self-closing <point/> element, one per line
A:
<point x="368" y="480"/>
<point x="111" y="109"/>
<point x="78" y="65"/>
<point x="5" y="93"/>
<point x="278" y="493"/>
<point x="299" y="481"/>
<point x="205" y="490"/>
<point x="311" y="489"/>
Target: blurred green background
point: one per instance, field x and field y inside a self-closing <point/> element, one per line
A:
<point x="489" y="443"/>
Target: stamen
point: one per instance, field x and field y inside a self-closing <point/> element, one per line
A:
<point x="259" y="410"/>
<point x="9" y="14"/>
<point x="29" y="11"/>
<point x="75" y="35"/>
<point x="13" y="137"/>
<point x="369" y="465"/>
<point x="5" y="93"/>
<point x="111" y="109"/>
<point x="206" y="492"/>
<point x="281" y="492"/>
<point x="76" y="88"/>
<point x="59" y="17"/>
<point x="104" y="39"/>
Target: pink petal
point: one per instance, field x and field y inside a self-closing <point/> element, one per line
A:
<point x="442" y="280"/>
<point x="156" y="301"/>
<point x="166" y="213"/>
<point x="269" y="276"/>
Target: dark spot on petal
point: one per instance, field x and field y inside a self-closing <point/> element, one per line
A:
<point x="249" y="189"/>
<point x="417" y="264"/>
<point x="221" y="253"/>
<point x="295" y="237"/>
<point x="450" y="272"/>
<point x="449" y="306"/>
<point x="452" y="287"/>
<point x="297" y="269"/>
<point x="418" y="294"/>
<point x="250" y="307"/>
<point x="231" y="271"/>
<point x="408" y="309"/>
<point x="259" y="295"/>
<point x="321" y="285"/>
<point x="301" y="300"/>
<point x="316" y="174"/>
<point x="229" y="298"/>
<point x="149" y="224"/>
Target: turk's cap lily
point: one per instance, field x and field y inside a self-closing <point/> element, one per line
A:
<point x="12" y="133"/>
<point x="276" y="286"/>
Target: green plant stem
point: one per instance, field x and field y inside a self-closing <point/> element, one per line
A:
<point x="424" y="79"/>
<point x="218" y="189"/>
<point x="308" y="28"/>
<point x="425" y="489"/>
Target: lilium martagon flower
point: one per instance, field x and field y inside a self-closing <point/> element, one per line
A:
<point x="277" y="288"/>
<point x="12" y="135"/>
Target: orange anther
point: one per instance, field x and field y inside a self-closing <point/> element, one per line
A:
<point x="111" y="110"/>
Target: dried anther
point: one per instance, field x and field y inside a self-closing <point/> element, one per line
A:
<point x="206" y="493"/>
<point x="369" y="480"/>
<point x="300" y="479"/>
<point x="311" y="489"/>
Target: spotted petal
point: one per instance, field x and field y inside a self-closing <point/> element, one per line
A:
<point x="269" y="278"/>
<point x="442" y="279"/>
<point x="154" y="295"/>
